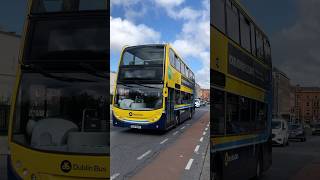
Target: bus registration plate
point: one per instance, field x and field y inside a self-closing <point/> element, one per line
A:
<point x="135" y="127"/>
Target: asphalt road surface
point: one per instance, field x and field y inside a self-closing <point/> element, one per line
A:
<point x="299" y="160"/>
<point x="176" y="154"/>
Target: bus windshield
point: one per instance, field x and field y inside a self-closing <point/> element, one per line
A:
<point x="64" y="112"/>
<point x="139" y="96"/>
<point x="142" y="63"/>
<point x="48" y="6"/>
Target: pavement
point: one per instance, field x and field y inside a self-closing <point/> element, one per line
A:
<point x="179" y="153"/>
<point x="299" y="160"/>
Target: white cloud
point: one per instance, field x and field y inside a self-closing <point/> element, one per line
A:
<point x="133" y="9"/>
<point x="169" y="3"/>
<point x="296" y="48"/>
<point x="124" y="32"/>
<point x="123" y="2"/>
<point x="194" y="40"/>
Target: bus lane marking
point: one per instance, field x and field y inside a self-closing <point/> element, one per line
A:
<point x="164" y="141"/>
<point x="201" y="139"/>
<point x="197" y="149"/>
<point x="143" y="155"/>
<point x="188" y="166"/>
<point x="114" y="176"/>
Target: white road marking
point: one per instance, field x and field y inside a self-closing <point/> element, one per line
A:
<point x="201" y="139"/>
<point x="175" y="133"/>
<point x="189" y="164"/>
<point x="143" y="155"/>
<point x="204" y="133"/>
<point x="182" y="127"/>
<point x="114" y="176"/>
<point x="197" y="148"/>
<point x="164" y="141"/>
<point x="206" y="129"/>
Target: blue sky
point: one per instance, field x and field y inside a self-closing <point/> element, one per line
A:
<point x="182" y="23"/>
<point x="12" y="15"/>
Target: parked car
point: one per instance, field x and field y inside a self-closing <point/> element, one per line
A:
<point x="203" y="103"/>
<point x="280" y="133"/>
<point x="315" y="128"/>
<point x="296" y="131"/>
<point x="197" y="103"/>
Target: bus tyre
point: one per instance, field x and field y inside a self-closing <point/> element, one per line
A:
<point x="177" y="120"/>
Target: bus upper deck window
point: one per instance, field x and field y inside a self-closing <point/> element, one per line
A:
<point x="47" y="6"/>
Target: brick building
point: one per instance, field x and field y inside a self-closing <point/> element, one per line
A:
<point x="205" y="94"/>
<point x="307" y="104"/>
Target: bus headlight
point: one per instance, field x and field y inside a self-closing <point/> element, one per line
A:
<point x="25" y="172"/>
<point x="18" y="164"/>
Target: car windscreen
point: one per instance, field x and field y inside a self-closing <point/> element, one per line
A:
<point x="276" y="124"/>
<point x="294" y="126"/>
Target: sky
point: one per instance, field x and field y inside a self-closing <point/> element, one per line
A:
<point x="185" y="24"/>
<point x="12" y="15"/>
<point x="293" y="27"/>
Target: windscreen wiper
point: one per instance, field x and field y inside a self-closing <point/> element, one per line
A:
<point x="93" y="71"/>
<point x="145" y="85"/>
<point x="38" y="69"/>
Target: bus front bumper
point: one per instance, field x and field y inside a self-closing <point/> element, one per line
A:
<point x="160" y="124"/>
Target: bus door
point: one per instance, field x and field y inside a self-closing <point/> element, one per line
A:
<point x="170" y="107"/>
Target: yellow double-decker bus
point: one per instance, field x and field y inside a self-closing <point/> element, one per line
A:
<point x="154" y="88"/>
<point x="241" y="92"/>
<point x="59" y="127"/>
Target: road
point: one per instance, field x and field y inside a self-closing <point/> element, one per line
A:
<point x="176" y="154"/>
<point x="300" y="160"/>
